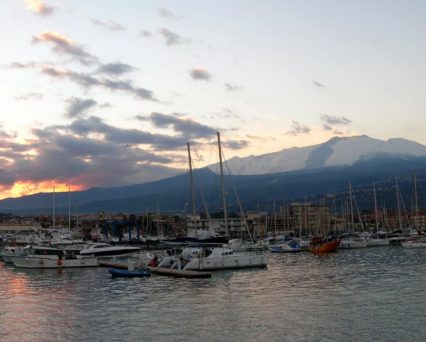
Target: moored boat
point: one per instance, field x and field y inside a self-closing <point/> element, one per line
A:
<point x="105" y="250"/>
<point x="321" y="244"/>
<point x="50" y="257"/>
<point x="136" y="273"/>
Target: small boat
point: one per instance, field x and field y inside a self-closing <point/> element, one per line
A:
<point x="136" y="273"/>
<point x="321" y="244"/>
<point x="291" y="246"/>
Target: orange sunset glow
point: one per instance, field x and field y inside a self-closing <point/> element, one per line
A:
<point x="23" y="188"/>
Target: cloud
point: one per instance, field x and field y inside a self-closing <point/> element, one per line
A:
<point x="115" y="69"/>
<point x="171" y="38"/>
<point x="78" y="107"/>
<point x="200" y="73"/>
<point x="29" y="96"/>
<point x="184" y="126"/>
<point x="335" y="120"/>
<point x="318" y="84"/>
<point x="145" y="34"/>
<point x="39" y="7"/>
<point x="63" y="45"/>
<point x="109" y="24"/>
<point x="298" y="128"/>
<point x="88" y="81"/>
<point x="236" y="144"/>
<point x="163" y="12"/>
<point x="259" y="138"/>
<point x="232" y="87"/>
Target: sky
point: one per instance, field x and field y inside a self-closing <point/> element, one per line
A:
<point x="108" y="93"/>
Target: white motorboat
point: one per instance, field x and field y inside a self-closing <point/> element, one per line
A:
<point x="105" y="250"/>
<point x="213" y="258"/>
<point x="51" y="257"/>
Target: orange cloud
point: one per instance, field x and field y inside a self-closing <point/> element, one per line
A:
<point x="26" y="187"/>
<point x="38" y="7"/>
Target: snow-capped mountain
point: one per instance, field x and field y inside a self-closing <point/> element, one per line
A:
<point x="336" y="151"/>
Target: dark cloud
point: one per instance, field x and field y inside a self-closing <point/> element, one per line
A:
<point x="115" y="69"/>
<point x="327" y="127"/>
<point x="29" y="96"/>
<point x="65" y="46"/>
<point x="236" y="144"/>
<point x="109" y="24"/>
<point x="39" y="7"/>
<point x="318" y="84"/>
<point x="298" y="128"/>
<point x="335" y="120"/>
<point x="186" y="127"/>
<point x="200" y="73"/>
<point x="78" y="107"/>
<point x="171" y="38"/>
<point x="87" y="80"/>
<point x="232" y="87"/>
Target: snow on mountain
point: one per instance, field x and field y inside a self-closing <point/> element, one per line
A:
<point x="336" y="151"/>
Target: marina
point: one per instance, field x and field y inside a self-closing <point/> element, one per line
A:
<point x="298" y="297"/>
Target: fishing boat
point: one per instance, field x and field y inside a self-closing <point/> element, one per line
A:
<point x="136" y="273"/>
<point x="320" y="244"/>
<point x="51" y="257"/>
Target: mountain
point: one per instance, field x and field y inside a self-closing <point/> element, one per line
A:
<point x="255" y="191"/>
<point x="335" y="152"/>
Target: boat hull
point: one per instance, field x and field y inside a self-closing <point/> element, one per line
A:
<point x="325" y="247"/>
<point x="227" y="262"/>
<point x="116" y="272"/>
<point x="49" y="262"/>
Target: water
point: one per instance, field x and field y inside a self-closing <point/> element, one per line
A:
<point x="370" y="294"/>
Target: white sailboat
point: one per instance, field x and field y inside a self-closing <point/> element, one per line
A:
<point x="378" y="239"/>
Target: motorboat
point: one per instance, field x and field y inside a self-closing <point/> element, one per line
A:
<point x="213" y="258"/>
<point x="105" y="250"/>
<point x="51" y="257"/>
<point x="291" y="246"/>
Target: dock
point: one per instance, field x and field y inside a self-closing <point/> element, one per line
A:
<point x="162" y="271"/>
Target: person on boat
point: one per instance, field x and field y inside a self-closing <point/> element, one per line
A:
<point x="154" y="261"/>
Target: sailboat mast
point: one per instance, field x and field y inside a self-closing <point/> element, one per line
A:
<point x="54" y="205"/>
<point x="375" y="206"/>
<point x="222" y="183"/>
<point x="351" y="207"/>
<point x="416" y="204"/>
<point x="397" y="201"/>
<point x="69" y="207"/>
<point x="192" y="185"/>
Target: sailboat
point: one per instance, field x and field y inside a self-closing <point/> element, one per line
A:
<point x="214" y="258"/>
<point x="378" y="239"/>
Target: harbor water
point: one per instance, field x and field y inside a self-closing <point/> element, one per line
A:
<point x="369" y="294"/>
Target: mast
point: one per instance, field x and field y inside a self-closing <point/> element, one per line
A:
<point x="69" y="207"/>
<point x="375" y="206"/>
<point x="397" y="201"/>
<point x="191" y="175"/>
<point x="351" y="207"/>
<point x="222" y="182"/>
<point x="416" y="204"/>
<point x="53" y="214"/>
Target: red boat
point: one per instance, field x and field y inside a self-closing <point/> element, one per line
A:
<point x="320" y="244"/>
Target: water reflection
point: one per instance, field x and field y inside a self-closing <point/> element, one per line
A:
<point x="349" y="295"/>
